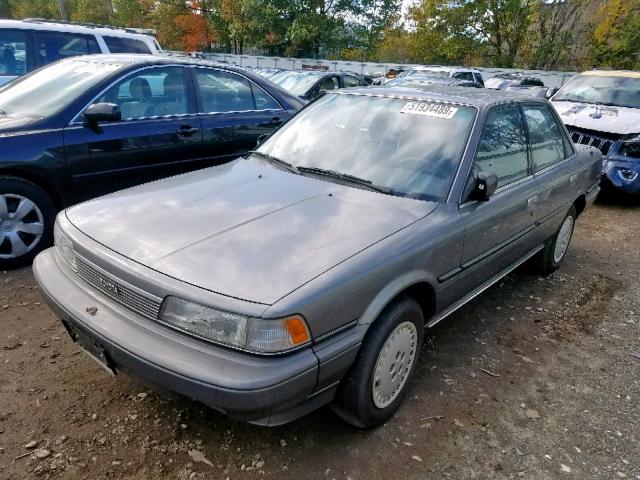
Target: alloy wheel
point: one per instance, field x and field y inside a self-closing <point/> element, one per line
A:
<point x="21" y="225"/>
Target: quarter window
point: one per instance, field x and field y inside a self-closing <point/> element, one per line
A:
<point x="264" y="100"/>
<point x="503" y="146"/>
<point x="547" y="141"/>
<point x="52" y="46"/>
<point x="150" y="93"/>
<point x="125" y="45"/>
<point x="13" y="52"/>
<point x="224" y="91"/>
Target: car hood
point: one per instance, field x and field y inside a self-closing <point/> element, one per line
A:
<point x="245" y="229"/>
<point x="620" y="120"/>
<point x="9" y="123"/>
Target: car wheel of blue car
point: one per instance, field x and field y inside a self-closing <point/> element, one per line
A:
<point x="550" y="258"/>
<point x="378" y="381"/>
<point x="26" y="221"/>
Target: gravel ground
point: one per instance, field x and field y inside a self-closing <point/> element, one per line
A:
<point x="535" y="379"/>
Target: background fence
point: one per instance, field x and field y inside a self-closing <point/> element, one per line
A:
<point x="550" y="79"/>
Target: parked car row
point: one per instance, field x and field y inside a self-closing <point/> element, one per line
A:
<point x="334" y="227"/>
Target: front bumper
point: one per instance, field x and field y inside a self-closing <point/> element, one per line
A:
<point x="622" y="173"/>
<point x="264" y="390"/>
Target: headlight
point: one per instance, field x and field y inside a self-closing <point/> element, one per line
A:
<point x="64" y="246"/>
<point x="233" y="330"/>
<point x="631" y="147"/>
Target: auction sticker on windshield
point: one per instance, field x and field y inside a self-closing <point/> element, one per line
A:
<point x="427" y="109"/>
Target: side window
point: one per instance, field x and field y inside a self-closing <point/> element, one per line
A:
<point x="350" y="81"/>
<point x="152" y="92"/>
<point x="52" y="46"/>
<point x="464" y="76"/>
<point x="329" y="83"/>
<point x="545" y="136"/>
<point x="13" y="52"/>
<point x="503" y="146"/>
<point x="224" y="91"/>
<point x="264" y="100"/>
<point x="125" y="45"/>
<point x="478" y="78"/>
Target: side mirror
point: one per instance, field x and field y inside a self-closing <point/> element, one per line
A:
<point x="485" y="187"/>
<point x="551" y="92"/>
<point x="262" y="138"/>
<point x="102" y="112"/>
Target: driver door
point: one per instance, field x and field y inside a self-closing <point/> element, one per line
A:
<point x="159" y="134"/>
<point x="498" y="232"/>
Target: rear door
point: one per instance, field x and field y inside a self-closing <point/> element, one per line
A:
<point x="498" y="231"/>
<point x="234" y="112"/>
<point x="159" y="134"/>
<point x="553" y="161"/>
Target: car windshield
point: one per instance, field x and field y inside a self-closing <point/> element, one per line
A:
<point x="296" y="83"/>
<point x="52" y="88"/>
<point x="616" y="90"/>
<point x="409" y="148"/>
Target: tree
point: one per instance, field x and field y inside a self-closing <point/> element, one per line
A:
<point x="34" y="8"/>
<point x="5" y="9"/>
<point x="616" y="36"/>
<point x="163" y="20"/>
<point x="93" y="11"/>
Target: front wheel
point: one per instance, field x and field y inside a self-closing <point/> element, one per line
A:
<point x="378" y="381"/>
<point x="549" y="259"/>
<point x="27" y="215"/>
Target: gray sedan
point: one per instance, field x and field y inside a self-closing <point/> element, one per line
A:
<point x="308" y="272"/>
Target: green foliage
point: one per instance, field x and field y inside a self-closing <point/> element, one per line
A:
<point x="536" y="34"/>
<point x="616" y="37"/>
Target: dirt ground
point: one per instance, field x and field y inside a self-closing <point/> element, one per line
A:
<point x="538" y="378"/>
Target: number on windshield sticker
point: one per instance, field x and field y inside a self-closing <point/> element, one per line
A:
<point x="437" y="110"/>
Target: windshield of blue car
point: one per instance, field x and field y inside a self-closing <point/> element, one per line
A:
<point x="50" y="89"/>
<point x="410" y="148"/>
<point x="297" y="83"/>
<point x="602" y="89"/>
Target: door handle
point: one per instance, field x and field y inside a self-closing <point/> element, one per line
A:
<point x="276" y="120"/>
<point x="532" y="205"/>
<point x="186" y="130"/>
<point x="573" y="178"/>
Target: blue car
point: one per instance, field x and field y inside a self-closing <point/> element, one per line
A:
<point x="602" y="109"/>
<point x="91" y="125"/>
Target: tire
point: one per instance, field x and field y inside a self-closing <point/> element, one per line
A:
<point x="357" y="401"/>
<point x="27" y="215"/>
<point x="550" y="258"/>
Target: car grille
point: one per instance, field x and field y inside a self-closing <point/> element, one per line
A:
<point x="126" y="296"/>
<point x="593" y="139"/>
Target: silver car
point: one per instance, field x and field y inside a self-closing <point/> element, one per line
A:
<point x="308" y="272"/>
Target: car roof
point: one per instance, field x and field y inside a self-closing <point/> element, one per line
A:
<point x="439" y="68"/>
<point x="54" y="26"/>
<point x="477" y="97"/>
<point x="612" y="73"/>
<point x="132" y="59"/>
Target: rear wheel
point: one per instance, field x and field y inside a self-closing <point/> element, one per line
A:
<point x="27" y="215"/>
<point x="549" y="259"/>
<point x="378" y="381"/>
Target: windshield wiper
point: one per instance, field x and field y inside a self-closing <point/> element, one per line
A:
<point x="276" y="161"/>
<point x="345" y="177"/>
